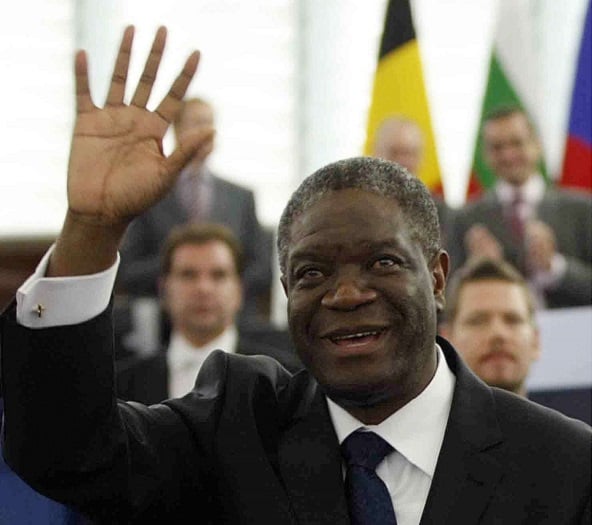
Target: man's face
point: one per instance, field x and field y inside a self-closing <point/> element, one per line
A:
<point x="202" y="292"/>
<point x="400" y="143"/>
<point x="494" y="332"/>
<point x="362" y="300"/>
<point x="510" y="148"/>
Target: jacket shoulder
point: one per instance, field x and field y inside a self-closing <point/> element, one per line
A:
<point x="521" y="417"/>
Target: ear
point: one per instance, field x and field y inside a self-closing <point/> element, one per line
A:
<point x="439" y="269"/>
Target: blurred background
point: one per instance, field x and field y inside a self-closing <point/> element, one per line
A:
<point x="290" y="80"/>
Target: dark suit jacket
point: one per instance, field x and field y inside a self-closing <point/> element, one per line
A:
<point x="568" y="213"/>
<point x="146" y="379"/>
<point x="233" y="206"/>
<point x="20" y="504"/>
<point x="253" y="444"/>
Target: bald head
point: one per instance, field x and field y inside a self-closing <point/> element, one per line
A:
<point x="400" y="140"/>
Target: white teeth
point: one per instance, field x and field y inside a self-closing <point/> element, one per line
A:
<point x="354" y="336"/>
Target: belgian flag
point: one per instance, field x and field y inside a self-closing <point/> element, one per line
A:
<point x="399" y="88"/>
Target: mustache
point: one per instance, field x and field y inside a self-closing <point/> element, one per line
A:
<point x="497" y="352"/>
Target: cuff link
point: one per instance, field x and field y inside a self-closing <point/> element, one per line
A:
<point x="39" y="309"/>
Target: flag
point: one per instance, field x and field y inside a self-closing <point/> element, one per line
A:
<point x="399" y="88"/>
<point x="511" y="79"/>
<point x="577" y="163"/>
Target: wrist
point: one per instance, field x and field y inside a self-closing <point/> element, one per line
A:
<point x="84" y="247"/>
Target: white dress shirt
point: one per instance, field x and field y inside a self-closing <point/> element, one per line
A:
<point x="184" y="360"/>
<point x="415" y="432"/>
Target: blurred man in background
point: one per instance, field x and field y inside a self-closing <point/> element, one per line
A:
<point x="399" y="139"/>
<point x="545" y="232"/>
<point x="489" y="318"/>
<point x="199" y="196"/>
<point x="201" y="293"/>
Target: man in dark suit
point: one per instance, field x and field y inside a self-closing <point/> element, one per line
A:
<point x="201" y="295"/>
<point x="545" y="232"/>
<point x="20" y="504"/>
<point x="198" y="196"/>
<point x="364" y="274"/>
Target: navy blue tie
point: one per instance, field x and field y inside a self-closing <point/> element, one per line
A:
<point x="368" y="497"/>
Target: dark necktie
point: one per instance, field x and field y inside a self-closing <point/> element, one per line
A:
<point x="515" y="217"/>
<point x="367" y="495"/>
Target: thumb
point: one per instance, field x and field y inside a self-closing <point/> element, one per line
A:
<point x="195" y="146"/>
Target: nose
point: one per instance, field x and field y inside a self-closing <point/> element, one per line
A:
<point x="202" y="284"/>
<point x="498" y="329"/>
<point x="348" y="294"/>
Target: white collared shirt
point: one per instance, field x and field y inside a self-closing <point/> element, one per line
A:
<point x="415" y="432"/>
<point x="184" y="360"/>
<point x="531" y="191"/>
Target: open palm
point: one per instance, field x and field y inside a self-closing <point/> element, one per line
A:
<point x="117" y="167"/>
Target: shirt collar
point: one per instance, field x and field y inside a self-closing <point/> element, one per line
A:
<point x="532" y="190"/>
<point x="417" y="429"/>
<point x="181" y="353"/>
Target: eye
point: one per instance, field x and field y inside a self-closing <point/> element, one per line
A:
<point x="478" y="319"/>
<point x="308" y="274"/>
<point x="515" y="319"/>
<point x="385" y="262"/>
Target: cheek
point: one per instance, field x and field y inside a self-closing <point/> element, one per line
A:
<point x="469" y="343"/>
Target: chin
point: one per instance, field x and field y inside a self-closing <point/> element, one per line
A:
<point x="357" y="396"/>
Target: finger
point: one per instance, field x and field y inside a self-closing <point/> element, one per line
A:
<point x="84" y="101"/>
<point x="197" y="146"/>
<point x="119" y="78"/>
<point x="148" y="77"/>
<point x="171" y="104"/>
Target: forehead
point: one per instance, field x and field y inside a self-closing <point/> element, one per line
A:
<point x="348" y="217"/>
<point x="511" y="125"/>
<point x="208" y="254"/>
<point x="493" y="293"/>
<point x="402" y="133"/>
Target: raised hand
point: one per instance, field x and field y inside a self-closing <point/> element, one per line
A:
<point x="540" y="246"/>
<point x="117" y="167"/>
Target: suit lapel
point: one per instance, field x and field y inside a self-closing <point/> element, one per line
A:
<point x="310" y="465"/>
<point x="468" y="468"/>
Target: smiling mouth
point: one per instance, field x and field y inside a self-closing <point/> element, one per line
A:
<point x="354" y="339"/>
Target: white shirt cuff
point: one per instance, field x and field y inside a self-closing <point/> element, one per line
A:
<point x="44" y="302"/>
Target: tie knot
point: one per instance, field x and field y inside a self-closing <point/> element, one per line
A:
<point x="364" y="449"/>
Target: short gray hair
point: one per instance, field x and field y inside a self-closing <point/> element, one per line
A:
<point x="373" y="175"/>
